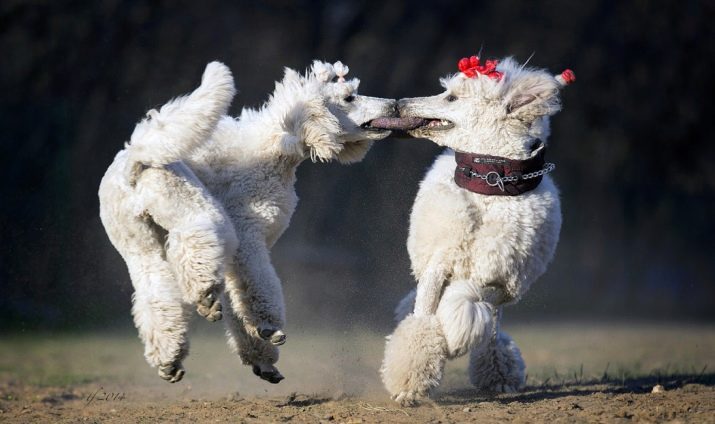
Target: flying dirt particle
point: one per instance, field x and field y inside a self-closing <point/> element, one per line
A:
<point x="658" y="389"/>
<point x="234" y="397"/>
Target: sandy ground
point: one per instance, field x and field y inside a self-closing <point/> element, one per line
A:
<point x="577" y="373"/>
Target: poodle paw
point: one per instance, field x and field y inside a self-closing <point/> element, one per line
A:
<point x="209" y="306"/>
<point x="276" y="337"/>
<point x="171" y="372"/>
<point x="268" y="373"/>
<point x="407" y="398"/>
<point x="500" y="369"/>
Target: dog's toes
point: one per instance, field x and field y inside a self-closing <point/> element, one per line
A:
<point x="276" y="337"/>
<point x="406" y="398"/>
<point x="403" y="399"/>
<point x="171" y="372"/>
<point x="210" y="307"/>
<point x="272" y="375"/>
<point x="208" y="298"/>
<point x="273" y="378"/>
<point x="211" y="314"/>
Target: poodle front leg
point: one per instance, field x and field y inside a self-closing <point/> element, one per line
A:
<point x="261" y="355"/>
<point x="199" y="237"/>
<point x="416" y="351"/>
<point x="414" y="359"/>
<point x="499" y="367"/>
<point x="160" y="317"/>
<point x="259" y="293"/>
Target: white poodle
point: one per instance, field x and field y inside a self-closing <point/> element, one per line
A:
<point x="484" y="225"/>
<point x="196" y="200"/>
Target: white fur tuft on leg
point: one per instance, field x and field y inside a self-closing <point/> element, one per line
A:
<point x="466" y="323"/>
<point x="159" y="316"/>
<point x="414" y="359"/>
<point x="197" y="254"/>
<point x="499" y="367"/>
<point x="260" y="354"/>
<point x="200" y="238"/>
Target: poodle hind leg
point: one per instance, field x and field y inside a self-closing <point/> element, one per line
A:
<point x="499" y="367"/>
<point x="160" y="317"/>
<point x="199" y="237"/>
<point x="196" y="253"/>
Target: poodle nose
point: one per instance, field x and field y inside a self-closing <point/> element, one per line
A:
<point x="395" y="111"/>
<point x="401" y="104"/>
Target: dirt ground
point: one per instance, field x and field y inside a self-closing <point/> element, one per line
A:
<point x="577" y="373"/>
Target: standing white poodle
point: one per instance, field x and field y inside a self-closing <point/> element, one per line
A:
<point x="484" y="225"/>
<point x="197" y="199"/>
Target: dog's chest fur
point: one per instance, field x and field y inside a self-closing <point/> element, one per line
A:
<point x="500" y="242"/>
<point x="257" y="193"/>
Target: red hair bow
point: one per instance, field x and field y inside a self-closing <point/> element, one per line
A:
<point x="470" y="67"/>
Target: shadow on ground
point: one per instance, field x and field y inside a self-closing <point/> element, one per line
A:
<point x="606" y="385"/>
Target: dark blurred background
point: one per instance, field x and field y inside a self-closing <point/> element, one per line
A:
<point x="633" y="146"/>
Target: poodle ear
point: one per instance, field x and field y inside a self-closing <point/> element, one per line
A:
<point x="318" y="129"/>
<point x="532" y="96"/>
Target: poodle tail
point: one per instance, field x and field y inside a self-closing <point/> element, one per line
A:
<point x="171" y="133"/>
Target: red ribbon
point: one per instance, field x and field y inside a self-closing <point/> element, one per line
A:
<point x="471" y="67"/>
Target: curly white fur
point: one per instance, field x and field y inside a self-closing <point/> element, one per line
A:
<point x="472" y="253"/>
<point x="414" y="358"/>
<point x="197" y="199"/>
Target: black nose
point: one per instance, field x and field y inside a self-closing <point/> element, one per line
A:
<point x="393" y="108"/>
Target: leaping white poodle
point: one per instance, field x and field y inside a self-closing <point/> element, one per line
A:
<point x="483" y="228"/>
<point x="196" y="200"/>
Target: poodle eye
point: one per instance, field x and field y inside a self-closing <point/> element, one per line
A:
<point x="451" y="98"/>
<point x="349" y="99"/>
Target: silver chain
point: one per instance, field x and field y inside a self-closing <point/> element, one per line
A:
<point x="494" y="179"/>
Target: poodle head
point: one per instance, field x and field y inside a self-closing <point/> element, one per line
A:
<point x="498" y="108"/>
<point x="350" y="135"/>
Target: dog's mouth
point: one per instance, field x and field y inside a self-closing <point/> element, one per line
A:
<point x="432" y="124"/>
<point x="376" y="125"/>
<point x="410" y="123"/>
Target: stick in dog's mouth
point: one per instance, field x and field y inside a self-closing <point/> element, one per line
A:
<point x="375" y="125"/>
<point x="410" y="123"/>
